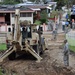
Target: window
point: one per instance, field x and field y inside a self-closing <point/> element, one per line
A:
<point x="48" y="10"/>
<point x="23" y="15"/>
<point x="29" y="14"/>
<point x="9" y="29"/>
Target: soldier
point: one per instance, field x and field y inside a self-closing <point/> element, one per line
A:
<point x="54" y="34"/>
<point x="66" y="53"/>
<point x="24" y="35"/>
<point x="56" y="25"/>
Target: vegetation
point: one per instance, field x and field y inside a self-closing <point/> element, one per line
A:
<point x="43" y="17"/>
<point x="1" y="72"/>
<point x="61" y="3"/>
<point x="55" y="13"/>
<point x="3" y="47"/>
<point x="11" y="2"/>
<point x="37" y="22"/>
<point x="72" y="48"/>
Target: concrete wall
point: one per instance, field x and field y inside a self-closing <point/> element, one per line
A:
<point x="3" y="28"/>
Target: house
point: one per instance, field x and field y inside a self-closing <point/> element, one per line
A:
<point x="7" y="15"/>
<point x="27" y="12"/>
<point x="36" y="7"/>
<point x="40" y="7"/>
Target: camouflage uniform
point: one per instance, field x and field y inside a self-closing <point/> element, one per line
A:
<point x="66" y="54"/>
<point x="54" y="34"/>
<point x="24" y="35"/>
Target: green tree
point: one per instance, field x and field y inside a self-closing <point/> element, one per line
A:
<point x="60" y="3"/>
<point x="11" y="1"/>
<point x="43" y="16"/>
<point x="72" y="2"/>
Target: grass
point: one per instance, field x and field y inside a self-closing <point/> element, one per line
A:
<point x="37" y="22"/>
<point x="1" y="72"/>
<point x="3" y="47"/>
<point x="72" y="48"/>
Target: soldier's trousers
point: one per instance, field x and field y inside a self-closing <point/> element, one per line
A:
<point x="66" y="60"/>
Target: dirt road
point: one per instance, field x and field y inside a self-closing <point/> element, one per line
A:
<point x="56" y="50"/>
<point x="48" y="66"/>
<point x="51" y="64"/>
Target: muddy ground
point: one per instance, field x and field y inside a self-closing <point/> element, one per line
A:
<point x="51" y="64"/>
<point x="47" y="66"/>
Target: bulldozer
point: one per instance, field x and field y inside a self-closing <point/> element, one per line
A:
<point x="25" y="39"/>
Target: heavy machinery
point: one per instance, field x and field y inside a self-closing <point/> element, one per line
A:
<point x="22" y="41"/>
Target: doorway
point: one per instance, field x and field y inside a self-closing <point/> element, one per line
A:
<point x="7" y="18"/>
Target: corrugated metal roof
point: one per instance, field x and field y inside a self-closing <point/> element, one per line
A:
<point x="9" y="9"/>
<point x="38" y="6"/>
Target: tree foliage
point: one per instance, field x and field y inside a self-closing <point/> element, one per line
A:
<point x="11" y="1"/>
<point x="44" y="16"/>
<point x="61" y="3"/>
<point x="72" y="2"/>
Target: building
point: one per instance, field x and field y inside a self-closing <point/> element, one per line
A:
<point x="27" y="12"/>
<point x="7" y="15"/>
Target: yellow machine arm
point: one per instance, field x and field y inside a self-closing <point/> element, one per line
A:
<point x="17" y="25"/>
<point x="6" y="53"/>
